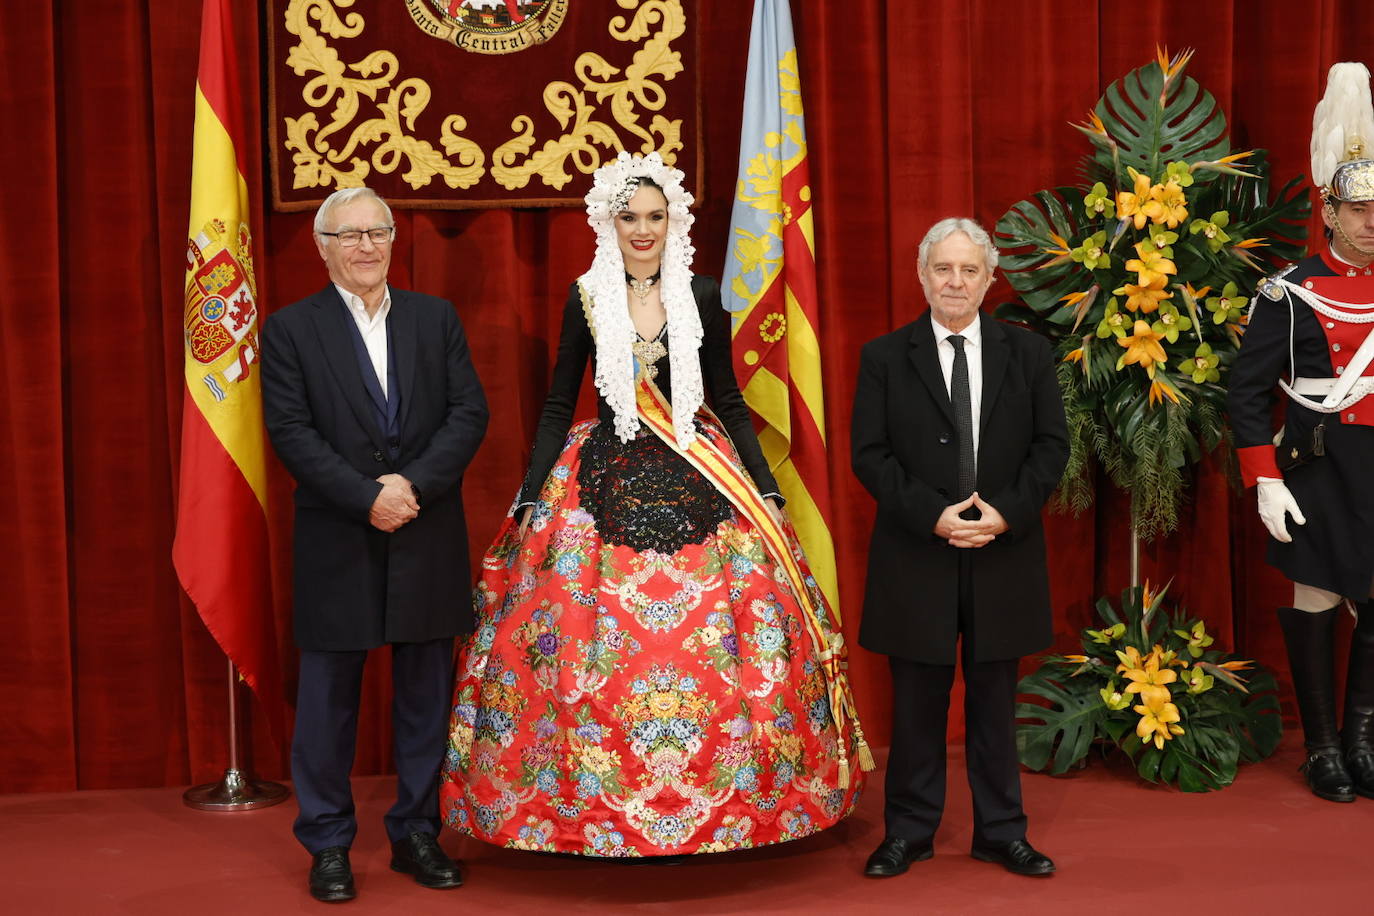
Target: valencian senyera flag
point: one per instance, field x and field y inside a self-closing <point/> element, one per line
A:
<point x="221" y="547"/>
<point x="770" y="286"/>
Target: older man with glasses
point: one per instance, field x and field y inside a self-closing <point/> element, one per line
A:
<point x="372" y="404"/>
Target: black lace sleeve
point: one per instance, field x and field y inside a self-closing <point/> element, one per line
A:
<point x="574" y="347"/>
<point x="718" y="372"/>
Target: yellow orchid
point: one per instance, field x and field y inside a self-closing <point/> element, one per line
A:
<point x="1097" y="202"/>
<point x="1145" y="297"/>
<point x="1198" y="681"/>
<point x="1130" y="204"/>
<point x="1091" y="254"/>
<point x="1213" y="230"/>
<point x="1114" y="322"/>
<point x="1198" y="639"/>
<point x="1157" y="722"/>
<point x="1180" y="172"/>
<point x="1169" y="322"/>
<point x="1228" y="306"/>
<point x="1203" y="365"/>
<point x="1143" y="349"/>
<point x="1112" y="698"/>
<point x="1162" y="239"/>
<point x="1151" y="265"/>
<point x="1107" y="635"/>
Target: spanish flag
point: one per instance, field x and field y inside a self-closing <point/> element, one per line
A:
<point x="221" y="547"/>
<point x="770" y="286"/>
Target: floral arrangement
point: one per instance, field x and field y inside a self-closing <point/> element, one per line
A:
<point x="1141" y="277"/>
<point x="1180" y="709"/>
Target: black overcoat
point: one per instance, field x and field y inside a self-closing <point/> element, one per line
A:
<point x="355" y="587"/>
<point x="905" y="453"/>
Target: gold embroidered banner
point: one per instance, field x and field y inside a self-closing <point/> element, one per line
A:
<point x="475" y="103"/>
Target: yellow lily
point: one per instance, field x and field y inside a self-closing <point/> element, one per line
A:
<point x="1151" y="265"/>
<point x="1145" y="297"/>
<point x="1157" y="722"/>
<point x="1143" y="348"/>
<point x="1131" y="204"/>
<point x="1169" y="205"/>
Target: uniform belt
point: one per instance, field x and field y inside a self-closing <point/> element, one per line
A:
<point x="1304" y="390"/>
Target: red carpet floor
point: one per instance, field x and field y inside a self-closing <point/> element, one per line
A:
<point x="1262" y="846"/>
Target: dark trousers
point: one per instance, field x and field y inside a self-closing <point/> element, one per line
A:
<point x="915" y="784"/>
<point x="327" y="736"/>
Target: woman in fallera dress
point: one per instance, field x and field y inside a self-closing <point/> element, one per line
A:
<point x="654" y="671"/>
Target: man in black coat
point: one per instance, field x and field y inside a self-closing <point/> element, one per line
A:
<point x="959" y="434"/>
<point x="372" y="404"/>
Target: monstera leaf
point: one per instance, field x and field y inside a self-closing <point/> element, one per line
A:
<point x="1155" y="115"/>
<point x="1065" y="729"/>
<point x="1027" y="234"/>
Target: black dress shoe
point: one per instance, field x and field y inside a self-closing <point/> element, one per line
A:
<point x="1327" y="776"/>
<point x="331" y="877"/>
<point x="419" y="855"/>
<point x="1018" y="857"/>
<point x="894" y="855"/>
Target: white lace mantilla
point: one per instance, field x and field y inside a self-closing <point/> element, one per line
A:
<point x="604" y="284"/>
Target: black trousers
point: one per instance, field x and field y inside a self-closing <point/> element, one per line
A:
<point x="915" y="784"/>
<point x="327" y="736"/>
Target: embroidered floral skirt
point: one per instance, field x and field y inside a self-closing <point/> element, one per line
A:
<point x="640" y="681"/>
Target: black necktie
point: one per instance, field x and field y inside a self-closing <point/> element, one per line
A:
<point x="963" y="417"/>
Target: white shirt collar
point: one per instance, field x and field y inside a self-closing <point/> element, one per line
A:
<point x="355" y="302"/>
<point x="973" y="334"/>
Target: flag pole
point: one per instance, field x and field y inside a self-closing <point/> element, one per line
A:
<point x="235" y="791"/>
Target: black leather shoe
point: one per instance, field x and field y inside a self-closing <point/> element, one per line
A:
<point x="419" y="855"/>
<point x="331" y="877"/>
<point x="1359" y="762"/>
<point x="894" y="856"/>
<point x="1018" y="857"/>
<point x="1327" y="776"/>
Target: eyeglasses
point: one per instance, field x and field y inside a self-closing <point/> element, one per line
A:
<point x="349" y="238"/>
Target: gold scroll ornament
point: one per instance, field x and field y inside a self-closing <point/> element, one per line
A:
<point x="372" y="114"/>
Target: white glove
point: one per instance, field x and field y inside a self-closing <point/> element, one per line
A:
<point x="1274" y="503"/>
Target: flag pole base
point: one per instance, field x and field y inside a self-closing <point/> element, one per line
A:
<point x="235" y="793"/>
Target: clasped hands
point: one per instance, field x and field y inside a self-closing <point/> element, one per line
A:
<point x="964" y="532"/>
<point x="395" y="504"/>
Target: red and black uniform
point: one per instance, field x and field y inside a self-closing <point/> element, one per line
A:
<point x="1335" y="549"/>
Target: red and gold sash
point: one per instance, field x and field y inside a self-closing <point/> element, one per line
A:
<point x="735" y="485"/>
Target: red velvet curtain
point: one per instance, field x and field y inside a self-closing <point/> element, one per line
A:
<point x="915" y="111"/>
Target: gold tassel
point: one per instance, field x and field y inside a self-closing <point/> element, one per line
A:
<point x="866" y="757"/>
<point x="844" y="774"/>
<point x="866" y="761"/>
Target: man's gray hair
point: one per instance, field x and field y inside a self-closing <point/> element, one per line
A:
<point x="947" y="227"/>
<point x="347" y="196"/>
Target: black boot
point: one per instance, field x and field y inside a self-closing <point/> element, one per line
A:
<point x="1357" y="737"/>
<point x="1310" y="640"/>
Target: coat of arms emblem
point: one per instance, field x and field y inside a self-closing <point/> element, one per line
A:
<point x="490" y="26"/>
<point x="221" y="307"/>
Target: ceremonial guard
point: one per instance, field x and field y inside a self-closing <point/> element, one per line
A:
<point x="1310" y="332"/>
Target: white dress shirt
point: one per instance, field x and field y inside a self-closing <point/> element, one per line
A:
<point x="973" y="348"/>
<point x="374" y="330"/>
